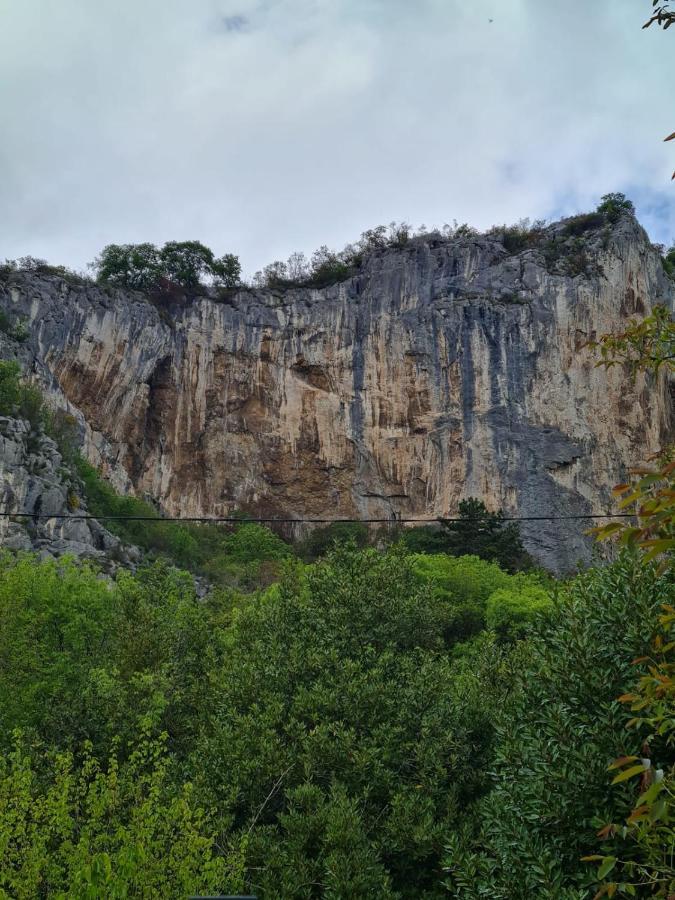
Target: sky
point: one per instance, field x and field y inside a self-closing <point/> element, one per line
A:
<point x="261" y="127"/>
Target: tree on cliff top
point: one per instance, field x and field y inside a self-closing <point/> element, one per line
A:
<point x="143" y="266"/>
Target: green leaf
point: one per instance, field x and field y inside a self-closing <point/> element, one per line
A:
<point x="628" y="773"/>
<point x="606" y="866"/>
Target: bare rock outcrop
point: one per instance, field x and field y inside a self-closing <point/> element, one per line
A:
<point x="34" y="481"/>
<point x="445" y="369"/>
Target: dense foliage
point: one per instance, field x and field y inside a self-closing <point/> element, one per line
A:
<point x="323" y="735"/>
<point x="75" y="828"/>
<point x="246" y="555"/>
<point x="368" y="720"/>
<point x="145" y="267"/>
<point x="556" y="736"/>
<point x="640" y="859"/>
<point x="476" y="531"/>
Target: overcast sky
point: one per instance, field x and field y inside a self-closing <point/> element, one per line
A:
<point x="265" y="126"/>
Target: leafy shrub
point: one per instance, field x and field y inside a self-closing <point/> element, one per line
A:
<point x="609" y="210"/>
<point x="246" y="555"/>
<point x="425" y="539"/>
<point x="519" y="237"/>
<point x="10" y="386"/>
<point x="557" y="734"/>
<point x="613" y="206"/>
<point x="669" y="262"/>
<point x="514" y="239"/>
<point x="576" y="226"/>
<point x="86" y="659"/>
<point x="62" y="427"/>
<point x="73" y="827"/>
<point x="42" y="267"/>
<point x="322" y="539"/>
<point x="464" y="230"/>
<point x="568" y="256"/>
<point x="55" y="628"/>
<point x="642" y="853"/>
<point x="18" y="397"/>
<point x="576" y="261"/>
<point x="17" y="330"/>
<point x="511" y="611"/>
<point x="465" y="585"/>
<point x="328" y="267"/>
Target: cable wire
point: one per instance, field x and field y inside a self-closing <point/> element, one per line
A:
<point x="266" y="520"/>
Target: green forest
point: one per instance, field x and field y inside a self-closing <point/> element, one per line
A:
<point x="375" y="724"/>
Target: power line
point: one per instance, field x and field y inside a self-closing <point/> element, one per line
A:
<point x="269" y="520"/>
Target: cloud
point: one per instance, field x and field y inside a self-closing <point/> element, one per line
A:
<point x="264" y="126"/>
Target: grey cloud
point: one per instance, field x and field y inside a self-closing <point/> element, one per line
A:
<point x="128" y="122"/>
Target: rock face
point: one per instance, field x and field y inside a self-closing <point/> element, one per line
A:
<point x="33" y="480"/>
<point x="445" y="369"/>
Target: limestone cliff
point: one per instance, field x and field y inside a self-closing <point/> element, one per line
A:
<point x="445" y="369"/>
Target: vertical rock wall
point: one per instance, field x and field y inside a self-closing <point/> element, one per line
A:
<point x="446" y="369"/>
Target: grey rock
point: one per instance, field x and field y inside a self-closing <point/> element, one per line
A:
<point x="442" y="370"/>
<point x="32" y="482"/>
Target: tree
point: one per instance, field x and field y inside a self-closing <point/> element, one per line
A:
<point x="275" y="274"/>
<point x="648" y="346"/>
<point x="72" y="826"/>
<point x="134" y="266"/>
<point x="185" y="262"/>
<point x="466" y="585"/>
<point x="557" y="730"/>
<point x="669" y="261"/>
<point x="645" y="345"/>
<point x="512" y="611"/>
<point x="485" y="534"/>
<point x="477" y="532"/>
<point x="142" y="266"/>
<point x="226" y="271"/>
<point x="20" y="398"/>
<point x="298" y="267"/>
<point x="644" y="845"/>
<point x="613" y="205"/>
<point x="345" y="738"/>
<point x="10" y="386"/>
<point x="327" y="267"/>
<point x="321" y="540"/>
